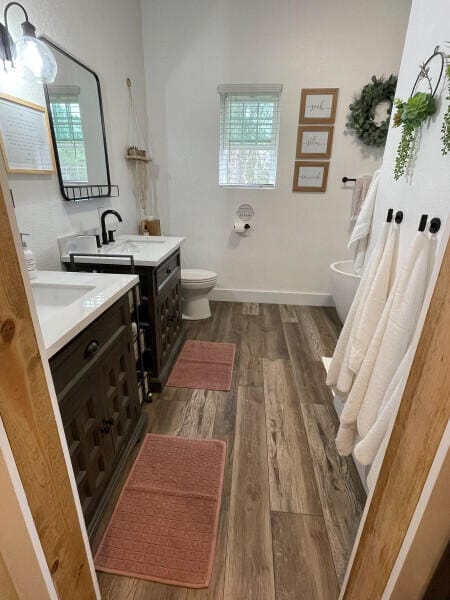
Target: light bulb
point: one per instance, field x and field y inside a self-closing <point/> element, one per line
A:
<point x="34" y="60"/>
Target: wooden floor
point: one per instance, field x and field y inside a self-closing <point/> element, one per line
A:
<point x="291" y="505"/>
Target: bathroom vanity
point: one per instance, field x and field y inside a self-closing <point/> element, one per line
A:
<point x="86" y="321"/>
<point x="156" y="260"/>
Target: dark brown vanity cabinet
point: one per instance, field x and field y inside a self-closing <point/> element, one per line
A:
<point x="96" y="385"/>
<point x="162" y="308"/>
<point x="160" y="314"/>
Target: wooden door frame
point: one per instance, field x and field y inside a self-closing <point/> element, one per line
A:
<point x="414" y="442"/>
<point x="30" y="414"/>
<point x="29" y="409"/>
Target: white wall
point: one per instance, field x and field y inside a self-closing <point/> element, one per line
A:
<point x="190" y="48"/>
<point x="106" y="36"/>
<point x="427" y="187"/>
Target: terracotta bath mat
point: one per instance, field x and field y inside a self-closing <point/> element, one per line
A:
<point x="204" y="365"/>
<point x="164" y="526"/>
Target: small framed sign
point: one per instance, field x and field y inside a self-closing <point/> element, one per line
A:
<point x="314" y="141"/>
<point x="310" y="176"/>
<point x="318" y="105"/>
<point x="25" y="137"/>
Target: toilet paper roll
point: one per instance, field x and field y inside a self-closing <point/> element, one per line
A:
<point x="241" y="227"/>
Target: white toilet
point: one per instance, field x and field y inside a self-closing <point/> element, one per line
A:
<point x="196" y="284"/>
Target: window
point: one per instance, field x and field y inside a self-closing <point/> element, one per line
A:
<point x="66" y="116"/>
<point x="249" y="130"/>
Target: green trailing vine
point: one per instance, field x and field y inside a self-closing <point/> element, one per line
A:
<point x="445" y="130"/>
<point x="362" y="110"/>
<point x="410" y="115"/>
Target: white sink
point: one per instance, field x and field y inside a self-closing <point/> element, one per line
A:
<point x="132" y="246"/>
<point x="147" y="251"/>
<point x="49" y="296"/>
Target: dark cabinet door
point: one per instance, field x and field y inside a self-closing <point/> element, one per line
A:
<point x="169" y="319"/>
<point x="120" y="397"/>
<point x="91" y="449"/>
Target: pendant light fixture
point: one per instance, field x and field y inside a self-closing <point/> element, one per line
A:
<point x="31" y="58"/>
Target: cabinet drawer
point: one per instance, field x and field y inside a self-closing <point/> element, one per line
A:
<point x="165" y="271"/>
<point x="80" y="351"/>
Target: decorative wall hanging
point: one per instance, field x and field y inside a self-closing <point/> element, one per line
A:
<point x="310" y="176"/>
<point x="416" y="110"/>
<point x="318" y="105"/>
<point x="445" y="130"/>
<point x="314" y="141"/>
<point x="379" y="93"/>
<point x="139" y="161"/>
<point x="25" y="137"/>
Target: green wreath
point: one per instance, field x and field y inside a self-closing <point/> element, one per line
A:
<point x="362" y="110"/>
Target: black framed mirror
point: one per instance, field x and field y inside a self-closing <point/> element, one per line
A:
<point x="75" y="111"/>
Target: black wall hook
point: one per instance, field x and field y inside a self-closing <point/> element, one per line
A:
<point x="390" y="212"/>
<point x="399" y="217"/>
<point x="435" y="225"/>
<point x="345" y="179"/>
<point x="423" y="222"/>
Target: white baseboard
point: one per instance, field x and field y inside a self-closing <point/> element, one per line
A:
<point x="272" y="297"/>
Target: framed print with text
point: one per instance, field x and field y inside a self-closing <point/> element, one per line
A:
<point x="310" y="176"/>
<point x="314" y="141"/>
<point x="318" y="105"/>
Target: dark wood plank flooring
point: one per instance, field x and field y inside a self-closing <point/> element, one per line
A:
<point x="291" y="506"/>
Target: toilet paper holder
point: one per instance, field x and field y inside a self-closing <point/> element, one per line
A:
<point x="242" y="227"/>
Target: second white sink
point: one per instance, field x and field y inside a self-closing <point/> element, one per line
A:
<point x="49" y="296"/>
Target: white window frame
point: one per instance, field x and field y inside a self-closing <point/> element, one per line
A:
<point x="272" y="91"/>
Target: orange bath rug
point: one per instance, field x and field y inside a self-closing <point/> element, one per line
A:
<point x="164" y="526"/>
<point x="204" y="365"/>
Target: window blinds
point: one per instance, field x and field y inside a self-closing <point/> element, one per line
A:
<point x="67" y="124"/>
<point x="249" y="131"/>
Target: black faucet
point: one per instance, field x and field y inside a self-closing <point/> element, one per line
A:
<point x="105" y="237"/>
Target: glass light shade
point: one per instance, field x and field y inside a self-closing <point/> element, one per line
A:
<point x="34" y="60"/>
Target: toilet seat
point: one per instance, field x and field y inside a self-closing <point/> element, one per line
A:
<point x="197" y="276"/>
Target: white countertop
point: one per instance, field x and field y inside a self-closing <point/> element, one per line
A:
<point x="60" y="323"/>
<point x="147" y="251"/>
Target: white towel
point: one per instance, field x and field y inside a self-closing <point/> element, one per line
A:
<point x="357" y="304"/>
<point x="360" y="190"/>
<point x="360" y="234"/>
<point x="370" y="311"/>
<point x="345" y="438"/>
<point x="367" y="448"/>
<point x="375" y="302"/>
<point x="402" y="321"/>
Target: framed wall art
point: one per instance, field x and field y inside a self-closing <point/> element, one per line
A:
<point x="25" y="137"/>
<point x="318" y="105"/>
<point x="314" y="141"/>
<point x="310" y="176"/>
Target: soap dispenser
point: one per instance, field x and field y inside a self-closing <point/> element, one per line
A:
<point x="29" y="258"/>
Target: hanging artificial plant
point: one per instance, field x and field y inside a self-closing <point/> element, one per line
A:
<point x="410" y="115"/>
<point x="445" y="130"/>
<point x="362" y="110"/>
